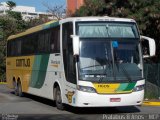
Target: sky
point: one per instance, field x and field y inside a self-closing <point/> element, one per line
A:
<point x="38" y="4"/>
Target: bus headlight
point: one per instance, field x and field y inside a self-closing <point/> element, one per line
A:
<point x="138" y="88"/>
<point x="86" y="89"/>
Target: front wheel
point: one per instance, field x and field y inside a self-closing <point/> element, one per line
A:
<point x="58" y="99"/>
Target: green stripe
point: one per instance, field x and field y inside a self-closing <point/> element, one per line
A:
<point x="39" y="71"/>
<point x="122" y="87"/>
<point x="54" y="24"/>
<point x="130" y="86"/>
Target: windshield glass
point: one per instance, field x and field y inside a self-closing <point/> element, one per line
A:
<point x="109" y="52"/>
<point x="126" y="59"/>
<point x="99" y="61"/>
<point x="103" y="30"/>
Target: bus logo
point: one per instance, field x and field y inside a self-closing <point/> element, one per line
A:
<point x="69" y="96"/>
<point x="55" y="63"/>
<point x="22" y="62"/>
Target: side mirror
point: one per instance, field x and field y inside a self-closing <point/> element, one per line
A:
<point x="151" y="47"/>
<point x="75" y="41"/>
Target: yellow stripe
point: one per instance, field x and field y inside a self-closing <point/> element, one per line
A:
<point x="3" y="82"/>
<point x="149" y="103"/>
<point x="55" y="65"/>
<point x="106" y="88"/>
<point x="31" y="30"/>
<point x="50" y="22"/>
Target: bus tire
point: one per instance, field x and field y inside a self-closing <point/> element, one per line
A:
<point x="15" y="88"/>
<point x="58" y="99"/>
<point x="20" y="93"/>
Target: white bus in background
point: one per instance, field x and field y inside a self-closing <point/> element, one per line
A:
<point x="81" y="61"/>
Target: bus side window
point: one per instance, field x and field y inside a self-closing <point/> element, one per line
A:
<point x="19" y="47"/>
<point x="41" y="42"/>
<point x="43" y="39"/>
<point x="55" y="40"/>
<point x="9" y="48"/>
<point x="47" y="42"/>
<point x="69" y="62"/>
<point x="13" y="48"/>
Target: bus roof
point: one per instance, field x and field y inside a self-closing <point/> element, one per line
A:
<point x="35" y="29"/>
<point x="55" y="23"/>
<point x="93" y="18"/>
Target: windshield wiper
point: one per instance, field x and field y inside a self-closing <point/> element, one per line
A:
<point x="90" y="66"/>
<point x="123" y="68"/>
<point x="126" y="73"/>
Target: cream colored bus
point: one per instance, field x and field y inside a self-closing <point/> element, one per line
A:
<point x="81" y="61"/>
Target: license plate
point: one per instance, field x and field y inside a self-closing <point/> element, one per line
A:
<point x="115" y="99"/>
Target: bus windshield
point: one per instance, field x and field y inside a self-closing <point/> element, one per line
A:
<point x="111" y="57"/>
<point x="109" y="30"/>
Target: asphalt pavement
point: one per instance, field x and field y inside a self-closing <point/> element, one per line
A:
<point x="33" y="107"/>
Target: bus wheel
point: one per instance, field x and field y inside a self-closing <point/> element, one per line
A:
<point x="58" y="99"/>
<point x="19" y="86"/>
<point x="15" y="88"/>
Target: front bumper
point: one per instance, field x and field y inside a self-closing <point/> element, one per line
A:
<point x="84" y="99"/>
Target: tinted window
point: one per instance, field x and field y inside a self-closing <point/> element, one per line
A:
<point x="42" y="42"/>
<point x="55" y="40"/>
<point x="68" y="58"/>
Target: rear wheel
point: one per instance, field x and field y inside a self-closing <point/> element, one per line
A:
<point x="15" y="88"/>
<point x="20" y="93"/>
<point x="58" y="99"/>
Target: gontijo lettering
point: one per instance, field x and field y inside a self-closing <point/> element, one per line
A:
<point x="23" y="62"/>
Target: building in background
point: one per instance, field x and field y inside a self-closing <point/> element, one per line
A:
<point x="27" y="12"/>
<point x="73" y="5"/>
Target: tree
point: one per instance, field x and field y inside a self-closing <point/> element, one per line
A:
<point x="11" y="5"/>
<point x="91" y="8"/>
<point x="10" y="23"/>
<point x="57" y="11"/>
<point x="1" y="32"/>
<point x="145" y="12"/>
<point x="37" y="21"/>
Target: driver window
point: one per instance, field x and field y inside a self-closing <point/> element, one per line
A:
<point x="68" y="58"/>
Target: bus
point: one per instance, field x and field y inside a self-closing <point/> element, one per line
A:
<point x="80" y="61"/>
